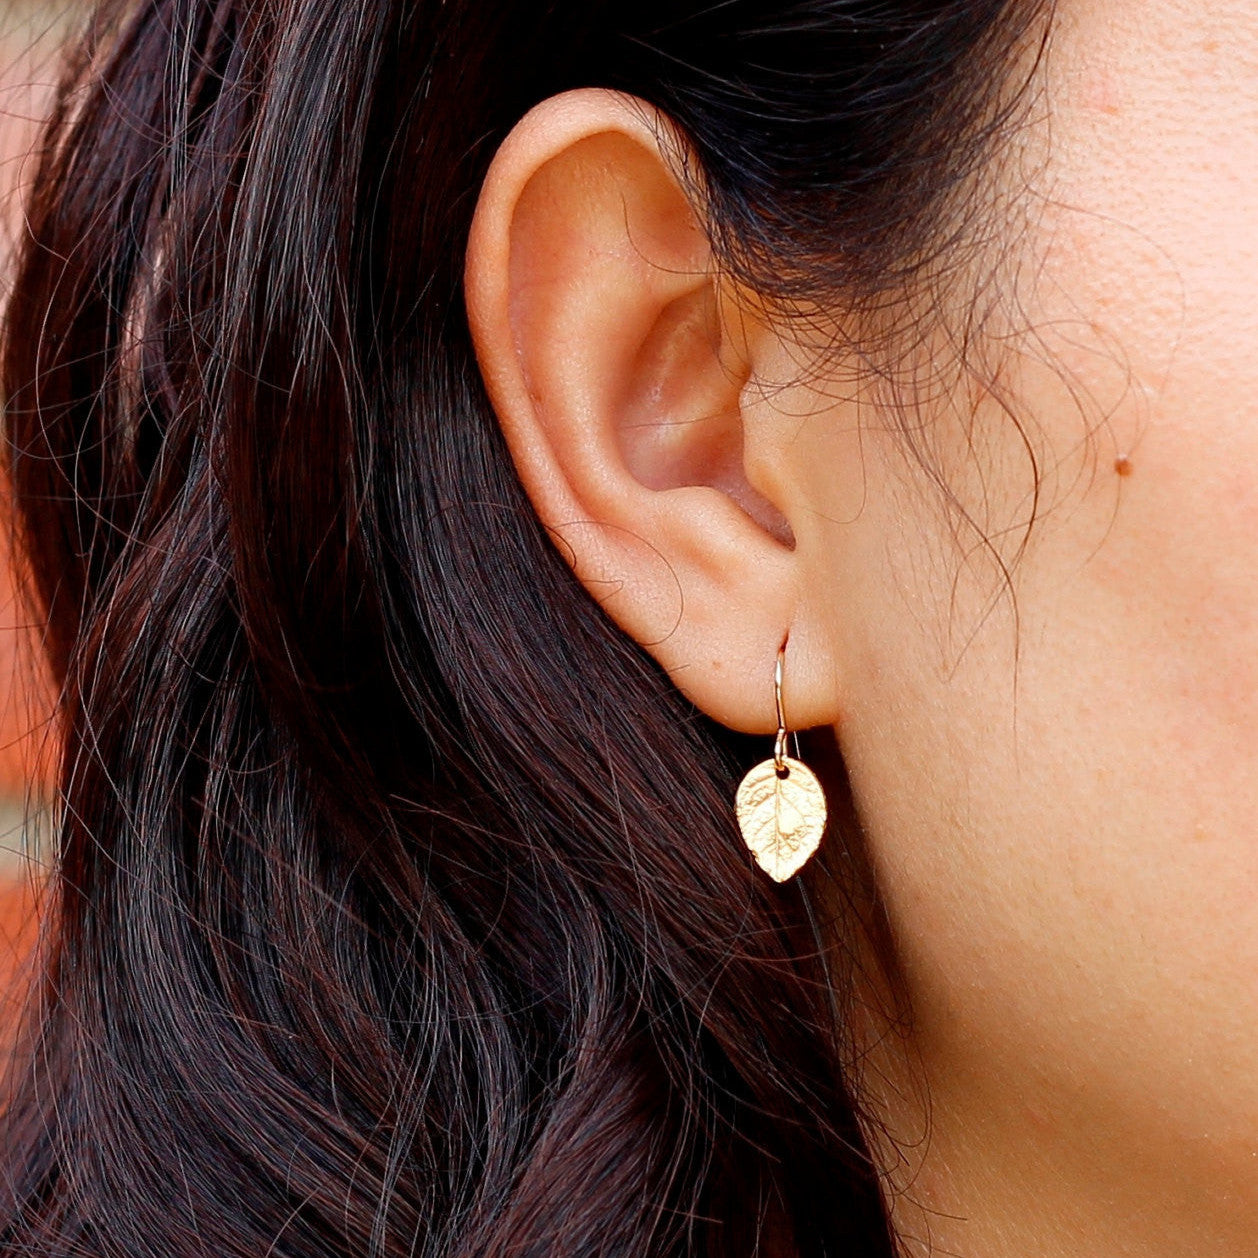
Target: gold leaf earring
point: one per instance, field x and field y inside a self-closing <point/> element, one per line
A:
<point x="780" y="806"/>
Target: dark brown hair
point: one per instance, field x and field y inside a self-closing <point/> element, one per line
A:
<point x="398" y="907"/>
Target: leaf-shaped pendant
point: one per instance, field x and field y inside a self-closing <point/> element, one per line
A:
<point x="782" y="817"/>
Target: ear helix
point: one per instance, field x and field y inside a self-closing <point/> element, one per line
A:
<point x="780" y="806"/>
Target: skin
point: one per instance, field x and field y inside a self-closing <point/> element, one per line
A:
<point x="1049" y="734"/>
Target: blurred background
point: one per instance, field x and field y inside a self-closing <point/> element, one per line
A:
<point x="31" y="35"/>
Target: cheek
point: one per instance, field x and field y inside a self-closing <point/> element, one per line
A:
<point x="1147" y="218"/>
<point x="1146" y="306"/>
<point x="1062" y="809"/>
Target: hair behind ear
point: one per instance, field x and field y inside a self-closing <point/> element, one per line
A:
<point x="400" y="901"/>
<point x="399" y="907"/>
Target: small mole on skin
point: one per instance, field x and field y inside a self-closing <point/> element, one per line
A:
<point x="1122" y="465"/>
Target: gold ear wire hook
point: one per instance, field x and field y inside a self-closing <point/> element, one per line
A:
<point x="780" y="806"/>
<point x="779" y="743"/>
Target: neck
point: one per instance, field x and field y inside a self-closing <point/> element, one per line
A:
<point x="986" y="1159"/>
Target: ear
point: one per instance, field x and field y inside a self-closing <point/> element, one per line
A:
<point x="623" y="371"/>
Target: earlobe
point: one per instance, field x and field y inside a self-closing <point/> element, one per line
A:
<point x="619" y="370"/>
